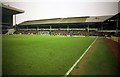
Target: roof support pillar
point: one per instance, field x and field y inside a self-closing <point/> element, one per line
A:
<point x="27" y="28"/>
<point x="88" y="27"/>
<point x="101" y="26"/>
<point x="15" y="19"/>
<point x="117" y="25"/>
<point x="15" y="22"/>
<point x="67" y="28"/>
<point x="37" y="27"/>
<point x="50" y="28"/>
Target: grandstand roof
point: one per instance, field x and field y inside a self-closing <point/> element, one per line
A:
<point x="67" y="20"/>
<point x="98" y="18"/>
<point x="7" y="9"/>
<point x="55" y="21"/>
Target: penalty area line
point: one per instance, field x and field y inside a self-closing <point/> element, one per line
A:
<point x="68" y="72"/>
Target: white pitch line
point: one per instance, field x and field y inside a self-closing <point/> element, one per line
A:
<point x="68" y="72"/>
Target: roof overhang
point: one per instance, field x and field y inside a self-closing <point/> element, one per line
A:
<point x="6" y="9"/>
<point x="98" y="18"/>
<point x="56" y="21"/>
<point x="69" y="20"/>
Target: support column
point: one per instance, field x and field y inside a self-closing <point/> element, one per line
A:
<point x="27" y="28"/>
<point x="15" y="21"/>
<point x="50" y="29"/>
<point x="117" y="25"/>
<point x="88" y="28"/>
<point x="101" y="26"/>
<point x="37" y="27"/>
<point x="67" y="28"/>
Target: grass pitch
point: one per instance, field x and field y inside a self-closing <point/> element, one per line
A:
<point x="101" y="62"/>
<point x="41" y="55"/>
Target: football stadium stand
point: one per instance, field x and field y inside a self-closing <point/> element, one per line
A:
<point x="88" y="25"/>
<point x="83" y="26"/>
<point x="7" y="17"/>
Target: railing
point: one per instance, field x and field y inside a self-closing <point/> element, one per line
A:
<point x="60" y="29"/>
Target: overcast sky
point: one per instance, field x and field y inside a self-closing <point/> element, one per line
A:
<point x="45" y="9"/>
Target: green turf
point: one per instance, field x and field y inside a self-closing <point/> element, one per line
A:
<point x="41" y="55"/>
<point x="102" y="61"/>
